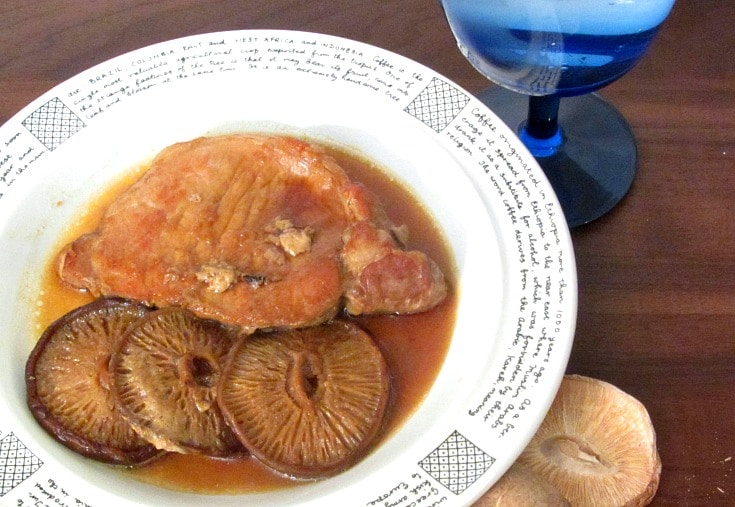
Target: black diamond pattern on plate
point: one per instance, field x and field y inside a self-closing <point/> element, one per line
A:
<point x="53" y="123"/>
<point x="17" y="463"/>
<point x="457" y="463"/>
<point x="438" y="104"/>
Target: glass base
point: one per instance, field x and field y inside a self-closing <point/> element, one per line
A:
<point x="594" y="167"/>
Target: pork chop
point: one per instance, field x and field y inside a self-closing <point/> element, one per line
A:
<point x="254" y="230"/>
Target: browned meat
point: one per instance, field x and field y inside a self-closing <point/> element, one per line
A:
<point x="250" y="230"/>
<point x="380" y="278"/>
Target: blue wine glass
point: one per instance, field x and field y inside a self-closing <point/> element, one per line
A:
<point x="540" y="51"/>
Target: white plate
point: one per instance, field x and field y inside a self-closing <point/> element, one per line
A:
<point x="517" y="277"/>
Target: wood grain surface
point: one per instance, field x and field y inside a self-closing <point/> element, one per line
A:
<point x="656" y="275"/>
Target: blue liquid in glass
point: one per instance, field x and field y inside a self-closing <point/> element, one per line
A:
<point x="563" y="47"/>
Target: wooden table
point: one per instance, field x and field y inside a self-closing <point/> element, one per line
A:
<point x="656" y="275"/>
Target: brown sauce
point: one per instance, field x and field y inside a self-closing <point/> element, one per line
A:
<point x="414" y="345"/>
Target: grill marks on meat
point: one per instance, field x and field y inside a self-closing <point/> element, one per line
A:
<point x="259" y="231"/>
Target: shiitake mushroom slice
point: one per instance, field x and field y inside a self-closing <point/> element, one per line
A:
<point x="521" y="487"/>
<point x="596" y="446"/>
<point x="67" y="383"/>
<point x="306" y="402"/>
<point x="164" y="375"/>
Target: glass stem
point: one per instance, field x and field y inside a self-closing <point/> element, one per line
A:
<point x="542" y="114"/>
<point x="540" y="132"/>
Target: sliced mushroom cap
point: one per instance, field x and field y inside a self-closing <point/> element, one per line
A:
<point x="597" y="446"/>
<point x="67" y="383"/>
<point x="164" y="375"/>
<point x="520" y="487"/>
<point x="308" y="402"/>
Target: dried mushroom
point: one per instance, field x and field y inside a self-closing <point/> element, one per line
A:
<point x="306" y="402"/>
<point x="67" y="383"/>
<point x="597" y="446"/>
<point x="165" y="373"/>
<point x="520" y="487"/>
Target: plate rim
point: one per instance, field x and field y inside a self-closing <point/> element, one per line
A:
<point x="564" y="245"/>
